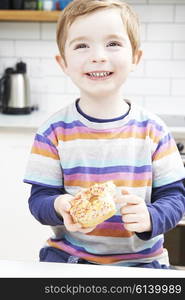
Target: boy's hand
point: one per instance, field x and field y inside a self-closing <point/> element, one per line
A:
<point x="135" y="214"/>
<point x="62" y="206"/>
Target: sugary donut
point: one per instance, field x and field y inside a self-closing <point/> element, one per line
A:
<point x="94" y="205"/>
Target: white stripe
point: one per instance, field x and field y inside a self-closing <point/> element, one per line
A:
<point x="43" y="170"/>
<point x="105" y="153"/>
<point x="168" y="169"/>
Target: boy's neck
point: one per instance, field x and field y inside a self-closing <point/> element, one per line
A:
<point x="104" y="107"/>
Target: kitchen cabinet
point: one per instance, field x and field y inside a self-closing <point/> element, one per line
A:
<point x="29" y="15"/>
<point x="175" y="244"/>
<point x="21" y="235"/>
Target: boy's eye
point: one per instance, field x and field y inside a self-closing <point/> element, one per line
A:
<point x="113" y="44"/>
<point x="80" y="46"/>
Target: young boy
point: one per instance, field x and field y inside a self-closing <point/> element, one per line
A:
<point x="100" y="137"/>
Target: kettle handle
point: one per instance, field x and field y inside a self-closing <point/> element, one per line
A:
<point x="4" y="90"/>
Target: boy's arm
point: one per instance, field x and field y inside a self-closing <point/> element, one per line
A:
<point x="41" y="204"/>
<point x="166" y="210"/>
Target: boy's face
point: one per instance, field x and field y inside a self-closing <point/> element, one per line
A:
<point x="98" y="53"/>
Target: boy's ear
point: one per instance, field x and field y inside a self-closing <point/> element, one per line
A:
<point x="136" y="59"/>
<point x="61" y="62"/>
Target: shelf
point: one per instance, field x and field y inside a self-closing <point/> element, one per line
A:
<point x="29" y="15"/>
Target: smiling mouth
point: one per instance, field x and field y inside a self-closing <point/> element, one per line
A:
<point x="99" y="75"/>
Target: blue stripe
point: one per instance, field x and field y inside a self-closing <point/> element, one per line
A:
<point x="108" y="170"/>
<point x="42" y="184"/>
<point x="51" y="182"/>
<point x="145" y="124"/>
<point x="63" y="125"/>
<point x="73" y="244"/>
<point x="156" y="246"/>
<point x="43" y="139"/>
<point x="104" y="163"/>
<point x="178" y="175"/>
<point x="76" y="123"/>
<point x="115" y="219"/>
<point x="166" y="139"/>
<point x="68" y="241"/>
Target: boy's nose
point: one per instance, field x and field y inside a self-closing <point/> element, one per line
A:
<point x="98" y="56"/>
<point x="98" y="59"/>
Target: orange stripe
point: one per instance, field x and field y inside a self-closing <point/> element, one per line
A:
<point x="165" y="153"/>
<point x="111" y="232"/>
<point x="43" y="152"/>
<point x="125" y="183"/>
<point x="154" y="138"/>
<point x="103" y="135"/>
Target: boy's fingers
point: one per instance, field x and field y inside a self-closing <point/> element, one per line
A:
<point x="74" y="227"/>
<point x="87" y="230"/>
<point x="118" y="196"/>
<point x="129" y="209"/>
<point x="69" y="223"/>
<point x="128" y="199"/>
<point x="131" y="226"/>
<point x="68" y="219"/>
<point x="130" y="218"/>
<point x="66" y="206"/>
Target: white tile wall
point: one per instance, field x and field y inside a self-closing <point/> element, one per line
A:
<point x="157" y="84"/>
<point x="166" y="32"/>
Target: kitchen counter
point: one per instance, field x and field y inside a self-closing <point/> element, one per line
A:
<point x="26" y="269"/>
<point x="31" y="121"/>
<point x="36" y="118"/>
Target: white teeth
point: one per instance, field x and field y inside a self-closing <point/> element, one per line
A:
<point x="99" y="74"/>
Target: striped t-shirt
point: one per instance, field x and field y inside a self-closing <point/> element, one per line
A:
<point x="136" y="152"/>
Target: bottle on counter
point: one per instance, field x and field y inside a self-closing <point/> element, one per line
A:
<point x="5" y="4"/>
<point x="17" y="4"/>
<point x="48" y="5"/>
<point x="64" y="3"/>
<point x="30" y="4"/>
<point x="56" y="5"/>
<point x="40" y="4"/>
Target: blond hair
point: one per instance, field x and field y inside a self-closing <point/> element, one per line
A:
<point x="84" y="7"/>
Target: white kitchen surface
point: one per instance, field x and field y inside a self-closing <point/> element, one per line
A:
<point x="33" y="120"/>
<point x="36" y="118"/>
<point x="28" y="269"/>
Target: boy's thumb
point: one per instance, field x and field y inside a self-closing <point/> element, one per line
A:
<point x="66" y="206"/>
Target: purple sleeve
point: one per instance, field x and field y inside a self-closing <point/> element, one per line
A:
<point x="41" y="204"/>
<point x="166" y="209"/>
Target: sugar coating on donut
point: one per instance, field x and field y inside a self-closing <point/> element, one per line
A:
<point x="94" y="205"/>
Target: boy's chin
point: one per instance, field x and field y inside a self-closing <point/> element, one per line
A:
<point x="97" y="93"/>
